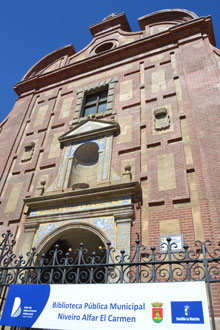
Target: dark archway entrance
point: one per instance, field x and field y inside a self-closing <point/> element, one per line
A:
<point x="66" y="249"/>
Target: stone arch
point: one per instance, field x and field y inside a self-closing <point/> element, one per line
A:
<point x="94" y="237"/>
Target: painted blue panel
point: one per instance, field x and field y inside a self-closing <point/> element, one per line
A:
<point x="184" y="312"/>
<point x="23" y="309"/>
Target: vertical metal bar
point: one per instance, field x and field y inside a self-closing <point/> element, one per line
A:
<point x="64" y="270"/>
<point x="207" y="276"/>
<point x="18" y="269"/>
<point x="169" y="252"/>
<point x="122" y="267"/>
<point x="29" y="262"/>
<point x="3" y="296"/>
<point x="79" y="262"/>
<point x="153" y="266"/>
<point x="186" y="260"/>
<point x="54" y="260"/>
<point x="91" y="271"/>
<point x="5" y="244"/>
<point x="137" y="252"/>
<point x="108" y="249"/>
<point x="39" y="268"/>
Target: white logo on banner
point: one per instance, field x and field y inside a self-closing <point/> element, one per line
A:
<point x="186" y="310"/>
<point x="16" y="310"/>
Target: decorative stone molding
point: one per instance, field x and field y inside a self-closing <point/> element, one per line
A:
<point x="110" y="16"/>
<point x="127" y="175"/>
<point x="45" y="228"/>
<point x="161" y="119"/>
<point x="28" y="152"/>
<point x="112" y="21"/>
<point x="91" y="137"/>
<point x="94" y="88"/>
<point x="51" y="233"/>
<point x="118" y="207"/>
<point x="78" y="186"/>
<point x="41" y="188"/>
<point x="31" y="226"/>
<point x="132" y="189"/>
<point x="88" y="129"/>
<point x="104" y="46"/>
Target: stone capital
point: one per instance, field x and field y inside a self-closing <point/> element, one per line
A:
<point x="31" y="226"/>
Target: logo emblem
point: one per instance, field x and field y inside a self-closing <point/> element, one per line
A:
<point x="187" y="312"/>
<point x="16" y="309"/>
<point x="157" y="312"/>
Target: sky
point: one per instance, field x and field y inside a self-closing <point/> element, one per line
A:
<point x="31" y="29"/>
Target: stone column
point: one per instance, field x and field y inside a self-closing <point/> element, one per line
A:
<point x="30" y="229"/>
<point x="123" y="235"/>
<point x="123" y="239"/>
<point x="124" y="218"/>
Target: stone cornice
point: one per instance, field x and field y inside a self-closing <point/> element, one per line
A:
<point x="48" y="59"/>
<point x="103" y="131"/>
<point x="132" y="189"/>
<point x="116" y="20"/>
<point x="118" y="211"/>
<point x="202" y="25"/>
<point x="31" y="226"/>
<point x="175" y="16"/>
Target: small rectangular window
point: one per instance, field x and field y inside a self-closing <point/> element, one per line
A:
<point x="95" y="103"/>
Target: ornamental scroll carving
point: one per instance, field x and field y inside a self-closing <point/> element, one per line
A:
<point x="161" y="119"/>
<point x="28" y="152"/>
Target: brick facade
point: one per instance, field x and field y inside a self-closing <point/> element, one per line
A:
<point x="174" y="172"/>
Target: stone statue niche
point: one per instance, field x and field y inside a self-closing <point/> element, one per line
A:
<point x="85" y="166"/>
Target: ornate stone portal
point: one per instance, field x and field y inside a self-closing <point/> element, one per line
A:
<point x="83" y="198"/>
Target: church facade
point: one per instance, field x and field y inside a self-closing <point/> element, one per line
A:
<point x="119" y="139"/>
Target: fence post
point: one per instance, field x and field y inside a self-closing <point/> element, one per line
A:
<point x="207" y="278"/>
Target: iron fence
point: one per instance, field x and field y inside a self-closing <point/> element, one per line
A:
<point x="142" y="265"/>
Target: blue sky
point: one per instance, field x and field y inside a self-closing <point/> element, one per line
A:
<point x="30" y="29"/>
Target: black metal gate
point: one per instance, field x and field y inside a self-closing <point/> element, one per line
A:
<point x="146" y="266"/>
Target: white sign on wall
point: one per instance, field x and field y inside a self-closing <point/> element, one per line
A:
<point x="163" y="306"/>
<point x="176" y="242"/>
